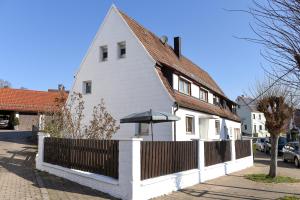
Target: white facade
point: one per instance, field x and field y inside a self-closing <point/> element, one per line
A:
<point x="132" y="84"/>
<point x="253" y="122"/>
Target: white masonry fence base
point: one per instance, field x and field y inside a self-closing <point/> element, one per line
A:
<point x="129" y="185"/>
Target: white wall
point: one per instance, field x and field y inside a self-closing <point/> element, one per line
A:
<point x="127" y="85"/>
<point x="211" y="133"/>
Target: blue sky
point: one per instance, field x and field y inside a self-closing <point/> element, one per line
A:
<point x="43" y="42"/>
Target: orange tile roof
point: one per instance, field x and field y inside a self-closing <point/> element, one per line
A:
<point x="164" y="54"/>
<point x="27" y="100"/>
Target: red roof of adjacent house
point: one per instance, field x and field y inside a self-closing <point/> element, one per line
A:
<point x="27" y="100"/>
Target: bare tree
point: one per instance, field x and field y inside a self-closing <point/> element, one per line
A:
<point x="277" y="108"/>
<point x="4" y="83"/>
<point x="277" y="27"/>
<point x="67" y="119"/>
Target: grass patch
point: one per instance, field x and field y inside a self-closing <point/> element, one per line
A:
<point x="289" y="198"/>
<point x="267" y="179"/>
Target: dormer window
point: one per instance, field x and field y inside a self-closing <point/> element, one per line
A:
<point x="184" y="86"/>
<point x="216" y="100"/>
<point x="203" y="95"/>
<point x="103" y="53"/>
<point x="122" y="49"/>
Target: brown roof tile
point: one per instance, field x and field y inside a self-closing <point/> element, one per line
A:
<point x="164" y="54"/>
<point x="27" y="100"/>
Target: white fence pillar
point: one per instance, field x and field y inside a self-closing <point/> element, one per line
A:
<point x="201" y="159"/>
<point x="130" y="168"/>
<point x="40" y="155"/>
<point x="233" y="154"/>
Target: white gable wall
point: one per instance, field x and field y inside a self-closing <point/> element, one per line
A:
<point x="127" y="85"/>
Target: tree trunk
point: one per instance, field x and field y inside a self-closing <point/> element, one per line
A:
<point x="274" y="154"/>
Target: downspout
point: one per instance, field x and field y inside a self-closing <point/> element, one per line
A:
<point x="176" y="109"/>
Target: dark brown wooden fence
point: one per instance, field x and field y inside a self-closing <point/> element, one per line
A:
<point x="96" y="156"/>
<point x="217" y="152"/>
<point x="162" y="158"/>
<point x="242" y="148"/>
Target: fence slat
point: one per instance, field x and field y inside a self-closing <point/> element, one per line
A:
<point x="162" y="158"/>
<point x="96" y="156"/>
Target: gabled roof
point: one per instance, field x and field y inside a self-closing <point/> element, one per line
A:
<point x="164" y="54"/>
<point x="27" y="100"/>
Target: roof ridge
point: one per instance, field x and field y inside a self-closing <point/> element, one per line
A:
<point x="164" y="53"/>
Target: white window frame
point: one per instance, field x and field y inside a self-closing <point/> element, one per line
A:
<point x="205" y="92"/>
<point x="218" y="130"/>
<point x="122" y="45"/>
<point x="84" y="86"/>
<point x="185" y="83"/>
<point x="141" y="131"/>
<point x="101" y="50"/>
<point x="193" y="125"/>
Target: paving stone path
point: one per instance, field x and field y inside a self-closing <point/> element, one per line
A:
<point x="19" y="179"/>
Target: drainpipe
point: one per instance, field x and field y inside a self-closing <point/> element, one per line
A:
<point x="177" y="107"/>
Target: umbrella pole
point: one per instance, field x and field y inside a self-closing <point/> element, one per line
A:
<point x="152" y="131"/>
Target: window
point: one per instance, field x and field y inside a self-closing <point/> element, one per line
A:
<point x="122" y="49"/>
<point x="103" y="53"/>
<point x="260" y="127"/>
<point x="217" y="127"/>
<point x="143" y="129"/>
<point x="203" y="94"/>
<point x="253" y="116"/>
<point x="87" y="87"/>
<point x="184" y="87"/>
<point x="245" y="126"/>
<point x="189" y="123"/>
<point x="216" y="100"/>
<point x="255" y="129"/>
<point x="259" y="116"/>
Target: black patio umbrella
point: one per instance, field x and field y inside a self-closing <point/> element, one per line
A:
<point x="151" y="117"/>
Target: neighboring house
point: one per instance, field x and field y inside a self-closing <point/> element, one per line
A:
<point x="27" y="105"/>
<point x="134" y="70"/>
<point x="253" y="121"/>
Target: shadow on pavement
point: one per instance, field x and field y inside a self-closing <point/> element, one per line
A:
<point x="22" y="163"/>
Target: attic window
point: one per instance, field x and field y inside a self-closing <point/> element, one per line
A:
<point x="87" y="87"/>
<point x="103" y="53"/>
<point x="122" y="49"/>
<point x="184" y="87"/>
<point x="203" y="95"/>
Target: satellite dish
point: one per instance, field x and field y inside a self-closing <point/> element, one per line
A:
<point x="164" y="39"/>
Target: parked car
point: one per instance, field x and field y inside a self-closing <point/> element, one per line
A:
<point x="260" y="144"/>
<point x="291" y="153"/>
<point x="4" y="121"/>
<point x="281" y="142"/>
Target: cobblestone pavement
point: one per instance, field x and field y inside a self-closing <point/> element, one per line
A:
<point x="18" y="179"/>
<point x="235" y="186"/>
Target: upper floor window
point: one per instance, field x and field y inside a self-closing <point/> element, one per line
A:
<point x="216" y="100"/>
<point x="203" y="94"/>
<point x="253" y="116"/>
<point x="184" y="87"/>
<point x="103" y="53"/>
<point x="189" y="124"/>
<point x="217" y="127"/>
<point x="245" y="126"/>
<point x="87" y="87"/>
<point x="122" y="49"/>
<point x="259" y="116"/>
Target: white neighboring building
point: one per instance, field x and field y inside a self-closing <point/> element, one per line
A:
<point x="253" y="121"/>
<point x="134" y="70"/>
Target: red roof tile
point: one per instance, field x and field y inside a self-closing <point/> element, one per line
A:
<point x="27" y="100"/>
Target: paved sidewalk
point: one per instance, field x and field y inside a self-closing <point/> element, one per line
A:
<point x="18" y="179"/>
<point x="235" y="186"/>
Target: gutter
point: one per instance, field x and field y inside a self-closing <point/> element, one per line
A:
<point x="176" y="109"/>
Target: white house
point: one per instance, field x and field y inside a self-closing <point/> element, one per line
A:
<point x="253" y="121"/>
<point x="133" y="70"/>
